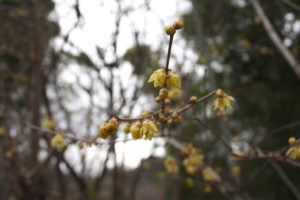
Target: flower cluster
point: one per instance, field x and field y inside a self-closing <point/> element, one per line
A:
<point x="194" y="160"/>
<point x="171" y="29"/>
<point x="294" y="151"/>
<point x="161" y="77"/>
<point x="58" y="142"/>
<point x="223" y="100"/>
<point x="146" y="129"/>
<point x="170" y="164"/>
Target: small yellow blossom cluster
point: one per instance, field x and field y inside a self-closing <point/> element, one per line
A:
<point x="171" y="29"/>
<point x="48" y="124"/>
<point x="208" y="175"/>
<point x="170" y="164"/>
<point x="194" y="160"/>
<point x="11" y="152"/>
<point x="294" y="151"/>
<point x="161" y="77"/>
<point x="223" y="100"/>
<point x="108" y="128"/>
<point x="58" y="142"/>
<point x="146" y="129"/>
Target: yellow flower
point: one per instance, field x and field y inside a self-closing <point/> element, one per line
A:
<point x="170" y="164"/>
<point x="193" y="163"/>
<point x="223" y="100"/>
<point x="189" y="149"/>
<point x="207" y="189"/>
<point x="2" y="131"/>
<point x="175" y="93"/>
<point x="173" y="80"/>
<point x="127" y="128"/>
<point x="149" y="129"/>
<point x="58" y="142"/>
<point x="207" y="175"/>
<point x="135" y="130"/>
<point x="49" y="124"/>
<point x="158" y="78"/>
<point x="293" y="152"/>
<point x="190" y="182"/>
<point x="236" y="170"/>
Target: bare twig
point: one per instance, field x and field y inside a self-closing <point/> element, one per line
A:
<point x="293" y="62"/>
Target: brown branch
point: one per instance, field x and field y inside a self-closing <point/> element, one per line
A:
<point x="279" y="129"/>
<point x="293" y="62"/>
<point x="286" y="179"/>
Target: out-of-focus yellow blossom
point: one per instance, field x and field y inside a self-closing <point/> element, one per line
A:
<point x="127" y="128"/>
<point x="292" y="140"/>
<point x="135" y="130"/>
<point x="257" y="20"/>
<point x="223" y="100"/>
<point x="189" y="182"/>
<point x="236" y="170"/>
<point x="178" y="24"/>
<point x="81" y="145"/>
<point x="293" y="152"/>
<point x="149" y="129"/>
<point x="167" y="101"/>
<point x="58" y="142"/>
<point x="173" y="80"/>
<point x="49" y="124"/>
<point x="174" y="93"/>
<point x="246" y="43"/>
<point x="2" y="131"/>
<point x="223" y="189"/>
<point x="145" y="114"/>
<point x="237" y="138"/>
<point x="222" y="115"/>
<point x="158" y="77"/>
<point x="207" y="175"/>
<point x="170" y="164"/>
<point x="108" y="128"/>
<point x="11" y="152"/>
<point x="145" y="165"/>
<point x="207" y="189"/>
<point x="189" y="149"/>
<point x="193" y="163"/>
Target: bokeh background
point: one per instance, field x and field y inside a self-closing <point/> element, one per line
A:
<point x="78" y="62"/>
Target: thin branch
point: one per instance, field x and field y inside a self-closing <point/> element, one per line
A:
<point x="293" y="62"/>
<point x="286" y="179"/>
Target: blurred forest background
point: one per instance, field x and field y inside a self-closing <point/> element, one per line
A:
<point x="49" y="81"/>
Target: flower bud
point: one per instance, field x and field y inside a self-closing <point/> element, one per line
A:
<point x="292" y="140"/>
<point x="157" y="99"/>
<point x="170" y="30"/>
<point x="127" y="128"/>
<point x="193" y="99"/>
<point x="163" y="93"/>
<point x="167" y="101"/>
<point x="178" y="24"/>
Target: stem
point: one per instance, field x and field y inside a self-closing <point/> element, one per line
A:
<point x="167" y="69"/>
